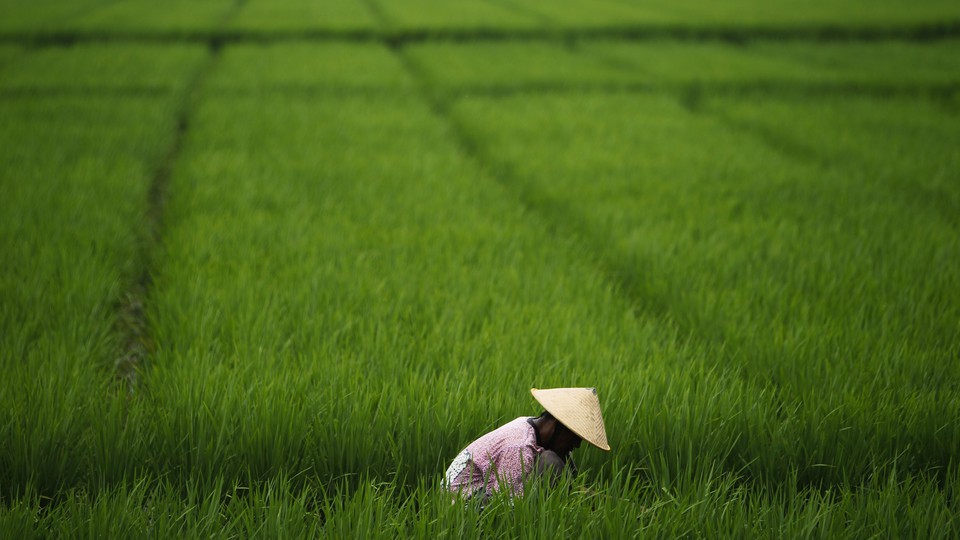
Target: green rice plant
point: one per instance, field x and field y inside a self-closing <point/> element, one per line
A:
<point x="264" y="16"/>
<point x="694" y="15"/>
<point x="669" y="64"/>
<point x="304" y="68"/>
<point x="150" y="508"/>
<point x="436" y="15"/>
<point x="505" y="66"/>
<point x="144" y="16"/>
<point x="8" y="53"/>
<point x="132" y="68"/>
<point x="907" y="150"/>
<point x="76" y="174"/>
<point x="907" y="146"/>
<point x="492" y="16"/>
<point x="602" y="14"/>
<point x="893" y="63"/>
<point x="714" y="506"/>
<point x="26" y="17"/>
<point x="792" y="14"/>
<point x="60" y="292"/>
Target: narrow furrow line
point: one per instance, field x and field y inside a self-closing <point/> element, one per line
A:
<point x="690" y="94"/>
<point x="58" y="92"/>
<point x="133" y="329"/>
<point x="386" y="33"/>
<point x="694" y="91"/>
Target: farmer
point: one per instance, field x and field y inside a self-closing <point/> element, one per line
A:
<point x="529" y="446"/>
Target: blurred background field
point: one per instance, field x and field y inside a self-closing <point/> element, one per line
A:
<point x="269" y="265"/>
<point x="23" y="17"/>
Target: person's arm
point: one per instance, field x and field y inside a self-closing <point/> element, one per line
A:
<point x="548" y="466"/>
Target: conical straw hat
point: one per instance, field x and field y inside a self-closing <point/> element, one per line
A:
<point x="578" y="409"/>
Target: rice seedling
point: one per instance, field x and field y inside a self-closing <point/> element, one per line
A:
<point x="265" y="16"/>
<point x="142" y="16"/>
<point x="26" y="17"/>
<point x="308" y="70"/>
<point x="823" y="13"/>
<point x="101" y="69"/>
<point x="433" y="15"/>
<point x="512" y="66"/>
<point x="603" y="14"/>
<point x="8" y="53"/>
<point x="889" y="62"/>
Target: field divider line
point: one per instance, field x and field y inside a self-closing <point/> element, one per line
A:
<point x="215" y="43"/>
<point x="692" y="92"/>
<point x="390" y="35"/>
<point x="136" y="344"/>
<point x="87" y="92"/>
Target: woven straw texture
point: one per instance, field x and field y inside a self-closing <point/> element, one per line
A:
<point x="578" y="409"/>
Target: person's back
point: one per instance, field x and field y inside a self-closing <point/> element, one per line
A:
<point x="505" y="458"/>
<point x="500" y="459"/>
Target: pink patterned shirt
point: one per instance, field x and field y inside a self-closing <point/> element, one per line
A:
<point x="500" y="459"/>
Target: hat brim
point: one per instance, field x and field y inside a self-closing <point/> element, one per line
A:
<point x="578" y="409"/>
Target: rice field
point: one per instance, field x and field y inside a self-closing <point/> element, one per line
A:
<point x="269" y="266"/>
